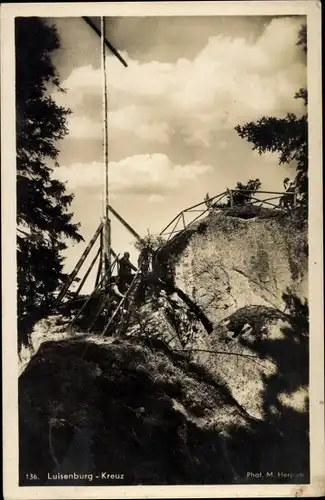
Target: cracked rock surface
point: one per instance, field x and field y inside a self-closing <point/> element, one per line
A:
<point x="232" y="398"/>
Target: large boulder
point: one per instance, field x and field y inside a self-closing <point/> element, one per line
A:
<point x="160" y="406"/>
<point x="137" y="409"/>
<point x="246" y="269"/>
<point x="233" y="259"/>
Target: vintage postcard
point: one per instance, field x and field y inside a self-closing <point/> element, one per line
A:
<point x="162" y="250"/>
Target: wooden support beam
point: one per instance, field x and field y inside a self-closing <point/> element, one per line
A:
<point x="266" y="199"/>
<point x="176" y="217"/>
<point x="100" y="265"/>
<point x="99" y="270"/>
<point x="74" y="273"/>
<point x="203" y="202"/>
<point x="231" y="198"/>
<point x="263" y="201"/>
<point x="99" y="310"/>
<point x="190" y="209"/>
<point x="107" y="43"/>
<point x="122" y="301"/>
<point x="88" y="300"/>
<point x="102" y="303"/>
<point x="113" y="253"/>
<point x="125" y="224"/>
<point x="105" y="249"/>
<point x="183" y="219"/>
<point x="88" y="271"/>
<point x="175" y="226"/>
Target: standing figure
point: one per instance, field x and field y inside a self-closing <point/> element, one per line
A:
<point x="287" y="200"/>
<point x="144" y="260"/>
<point x="115" y="282"/>
<point x="125" y="271"/>
<point x="208" y="202"/>
<point x="114" y="295"/>
<point x="144" y="266"/>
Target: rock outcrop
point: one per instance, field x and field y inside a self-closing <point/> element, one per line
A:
<point x="165" y="406"/>
<point x="236" y="258"/>
<point x="245" y="267"/>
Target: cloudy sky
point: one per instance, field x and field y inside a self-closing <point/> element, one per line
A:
<point x="172" y="112"/>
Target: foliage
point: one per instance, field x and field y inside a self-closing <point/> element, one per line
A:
<point x="42" y="201"/>
<point x="286" y="136"/>
<point x="302" y="38"/>
<point x="150" y="242"/>
<point x="243" y="193"/>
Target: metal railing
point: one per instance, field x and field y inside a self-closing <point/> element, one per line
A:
<point x="286" y="201"/>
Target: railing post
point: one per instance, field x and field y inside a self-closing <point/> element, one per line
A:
<point x="183" y="219"/>
<point x="231" y="198"/>
<point x="295" y="199"/>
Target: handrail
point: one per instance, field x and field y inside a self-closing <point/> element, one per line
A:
<point x="216" y="199"/>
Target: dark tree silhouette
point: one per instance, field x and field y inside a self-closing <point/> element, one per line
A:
<point x="302" y="38"/>
<point x="42" y="201"/>
<point x="287" y="136"/>
<point x="242" y="193"/>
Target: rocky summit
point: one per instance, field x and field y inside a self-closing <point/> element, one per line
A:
<point x="208" y="384"/>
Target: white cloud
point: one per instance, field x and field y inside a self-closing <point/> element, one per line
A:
<point x="139" y="121"/>
<point x="132" y="119"/>
<point x="140" y="174"/>
<point x="156" y="198"/>
<point x="230" y="81"/>
<point x="81" y="127"/>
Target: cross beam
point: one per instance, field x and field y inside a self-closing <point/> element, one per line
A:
<point x="125" y="224"/>
<point x="107" y="43"/>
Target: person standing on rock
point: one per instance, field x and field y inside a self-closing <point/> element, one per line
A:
<point x="208" y="202"/>
<point x="144" y="261"/>
<point x="114" y="296"/>
<point x="125" y="271"/>
<point x="115" y="289"/>
<point x="144" y="266"/>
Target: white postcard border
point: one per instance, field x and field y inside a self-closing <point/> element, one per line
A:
<point x="9" y="307"/>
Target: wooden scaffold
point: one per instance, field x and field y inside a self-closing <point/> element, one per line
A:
<point x="105" y="257"/>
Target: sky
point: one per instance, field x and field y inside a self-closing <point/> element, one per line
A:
<point x="171" y="113"/>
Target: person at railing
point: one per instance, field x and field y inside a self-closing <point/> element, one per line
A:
<point x="125" y="269"/>
<point x="288" y="198"/>
<point x="288" y="183"/>
<point x="208" y="202"/>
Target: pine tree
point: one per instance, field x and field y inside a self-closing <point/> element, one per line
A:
<point x="42" y="202"/>
<point x="287" y="136"/>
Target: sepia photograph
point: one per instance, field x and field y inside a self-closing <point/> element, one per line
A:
<point x="163" y="251"/>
